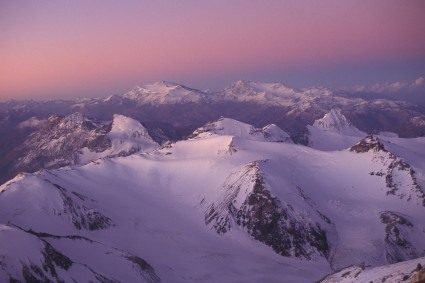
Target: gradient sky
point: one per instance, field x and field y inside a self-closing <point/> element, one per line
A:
<point x="54" y="49"/>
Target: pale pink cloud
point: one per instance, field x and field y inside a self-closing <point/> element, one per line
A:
<point x="418" y="82"/>
<point x="389" y="87"/>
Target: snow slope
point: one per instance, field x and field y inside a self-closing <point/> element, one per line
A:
<point x="222" y="207"/>
<point x="76" y="140"/>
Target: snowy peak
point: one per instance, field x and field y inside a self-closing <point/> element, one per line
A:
<point x="231" y="127"/>
<point x="164" y="92"/>
<point x="275" y="94"/>
<point x="262" y="93"/>
<point x="336" y="122"/>
<point x="333" y="132"/>
<point x="78" y="140"/>
<point x="400" y="178"/>
<point x="128" y="136"/>
<point x="273" y="133"/>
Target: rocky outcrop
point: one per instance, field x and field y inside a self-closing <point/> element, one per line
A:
<point x="400" y="178"/>
<point x="247" y="203"/>
<point x="75" y="207"/>
<point x="398" y="246"/>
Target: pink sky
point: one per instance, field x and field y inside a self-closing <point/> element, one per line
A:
<point x="98" y="48"/>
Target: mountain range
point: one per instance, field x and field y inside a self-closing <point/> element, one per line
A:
<point x="106" y="198"/>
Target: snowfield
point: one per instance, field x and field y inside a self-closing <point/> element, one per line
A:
<point x="230" y="204"/>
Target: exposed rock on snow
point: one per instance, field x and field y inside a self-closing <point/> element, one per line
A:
<point x="78" y="140"/>
<point x="246" y="202"/>
<point x="225" y="204"/>
<point x="398" y="229"/>
<point x="399" y="176"/>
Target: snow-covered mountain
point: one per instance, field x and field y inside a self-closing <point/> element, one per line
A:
<point x="333" y="132"/>
<point x="163" y="92"/>
<point x="336" y="122"/>
<point x="225" y="205"/>
<point x="77" y="140"/>
<point x="179" y="109"/>
<point x="231" y="127"/>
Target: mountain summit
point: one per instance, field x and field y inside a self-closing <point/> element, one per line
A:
<point x="164" y="92"/>
<point x="333" y="132"/>
<point x="336" y="122"/>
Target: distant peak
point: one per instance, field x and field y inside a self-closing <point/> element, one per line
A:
<point x="166" y="83"/>
<point x="243" y="85"/>
<point x="241" y="82"/>
<point x="231" y="127"/>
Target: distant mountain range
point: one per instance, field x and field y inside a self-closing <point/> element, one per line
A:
<point x="102" y="197"/>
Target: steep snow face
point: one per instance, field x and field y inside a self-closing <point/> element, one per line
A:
<point x="333" y="132"/>
<point x="128" y="136"/>
<point x="164" y="93"/>
<point x="230" y="127"/>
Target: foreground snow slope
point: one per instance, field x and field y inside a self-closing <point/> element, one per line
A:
<point x="217" y="208"/>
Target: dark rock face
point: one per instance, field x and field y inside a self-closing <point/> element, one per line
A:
<point x="76" y="208"/>
<point x="399" y="176"/>
<point x="397" y="242"/>
<point x="267" y="221"/>
<point x="368" y="143"/>
<point x="266" y="218"/>
<point x="145" y="269"/>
